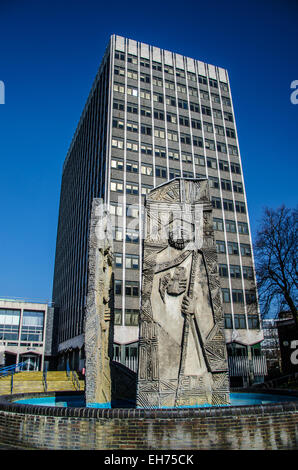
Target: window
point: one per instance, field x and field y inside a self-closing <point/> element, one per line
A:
<point x="211" y="163"/>
<point x="172" y="118"/>
<point x="118" y="287"/>
<point x="132" y="189"/>
<point x="117" y="186"/>
<point x="132" y="167"/>
<point x="156" y="66"/>
<point x="228" y="205"/>
<point x="208" y="127"/>
<point x="206" y="110"/>
<point x="253" y="322"/>
<point x="226" y="185"/>
<point x="119" y="105"/>
<point x="233" y="248"/>
<point x="226" y="297"/>
<point x="118" y="260"/>
<point x="115" y="209"/>
<point x="217" y="113"/>
<point x="199" y="160"/>
<point x="209" y="144"/>
<point x="226" y="101"/>
<point x="233" y="150"/>
<point x="243" y="228"/>
<point x="118" y="316"/>
<point x="245" y="249"/>
<point x="119" y="56"/>
<point x="194" y="107"/>
<point x="250" y="296"/>
<point x="183" y="121"/>
<point x="221" y="147"/>
<point x="247" y="272"/>
<point x="147" y="170"/>
<point x="192" y="91"/>
<point x="132" y="236"/>
<point x="230" y="133"/>
<point x="131" y="319"/>
<point x="132" y="211"/>
<point x="181" y="88"/>
<point x="228" y="116"/>
<point x="117" y="232"/>
<point x="186" y="157"/>
<point x="220" y="246"/>
<point x="238" y="188"/>
<point x="160" y="172"/>
<point x="146" y="130"/>
<point x="132" y="288"/>
<point x="240" y="207"/>
<point x="237" y="296"/>
<point x="215" y="98"/>
<point x="185" y="139"/>
<point x="132" y="146"/>
<point x="173" y="155"/>
<point x="218" y="224"/>
<point x="219" y="130"/>
<point x="146" y="149"/>
<point x="159" y="115"/>
<point x="145" y="78"/>
<point x="145" y="63"/>
<point x="204" y="95"/>
<point x="172" y="135"/>
<point x="168" y="69"/>
<point x="146" y="112"/>
<point x="228" y="321"/>
<point x="195" y="124"/>
<point x="145" y="94"/>
<point x="117" y="164"/>
<point x="235" y="271"/>
<point x="213" y="83"/>
<point x="213" y="182"/>
<point x="132" y="127"/>
<point x="202" y="80"/>
<point x="132" y="261"/>
<point x="157" y="98"/>
<point x="240" y="321"/>
<point x="132" y="91"/>
<point x="117" y="143"/>
<point x="145" y="189"/>
<point x="160" y="133"/>
<point x="235" y="168"/>
<point x="191" y="76"/>
<point x="182" y="104"/>
<point x="9" y="324"/>
<point x="160" y="152"/>
<point x="174" y="174"/>
<point x="224" y="86"/>
<point x="132" y="74"/>
<point x="132" y="59"/>
<point x="187" y="174"/>
<point x="170" y="101"/>
<point x="216" y="202"/>
<point x="223" y="165"/>
<point x="32" y="326"/>
<point x="230" y="226"/>
<point x="197" y="141"/>
<point x="223" y="270"/>
<point x="169" y="85"/>
<point x="132" y="108"/>
<point x="180" y="73"/>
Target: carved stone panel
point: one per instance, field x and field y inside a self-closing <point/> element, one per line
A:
<point x="182" y="360"/>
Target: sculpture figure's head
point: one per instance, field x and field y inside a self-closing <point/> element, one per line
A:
<point x="180" y="234"/>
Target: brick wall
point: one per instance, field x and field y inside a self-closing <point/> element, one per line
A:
<point x="246" y="427"/>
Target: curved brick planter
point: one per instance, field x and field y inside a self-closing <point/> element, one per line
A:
<point x="270" y="426"/>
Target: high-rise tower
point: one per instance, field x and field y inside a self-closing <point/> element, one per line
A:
<point x="152" y="115"/>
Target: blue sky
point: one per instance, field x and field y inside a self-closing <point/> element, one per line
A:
<point x="49" y="55"/>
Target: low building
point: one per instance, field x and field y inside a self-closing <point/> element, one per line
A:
<point x="270" y="346"/>
<point x="22" y="333"/>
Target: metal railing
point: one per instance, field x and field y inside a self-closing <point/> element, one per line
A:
<point x="44" y="380"/>
<point x="243" y="366"/>
<point x="12" y="370"/>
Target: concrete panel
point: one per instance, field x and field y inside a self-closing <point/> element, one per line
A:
<point x="120" y="44"/>
<point x="132" y="47"/>
<point x="201" y="68"/>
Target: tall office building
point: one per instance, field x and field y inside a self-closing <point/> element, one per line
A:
<point x="152" y="115"/>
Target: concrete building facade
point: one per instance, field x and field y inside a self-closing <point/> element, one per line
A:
<point x="22" y="333"/>
<point x="152" y="115"/>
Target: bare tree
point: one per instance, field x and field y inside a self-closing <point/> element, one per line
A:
<point x="276" y="260"/>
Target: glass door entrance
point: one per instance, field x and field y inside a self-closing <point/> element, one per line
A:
<point x="31" y="362"/>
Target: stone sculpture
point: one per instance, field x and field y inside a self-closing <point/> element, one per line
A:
<point x="99" y="308"/>
<point x="182" y="352"/>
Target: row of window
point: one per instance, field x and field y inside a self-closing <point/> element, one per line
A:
<point x="233" y="248"/>
<point x="132" y="126"/>
<point x="218" y="225"/>
<point x="171" y="101"/>
<point x="240" y="321"/>
<point x="237" y="296"/>
<point x="235" y="271"/>
<point x="172" y="136"/>
<point x="131" y="317"/>
<point x="228" y="205"/>
<point x="170" y="70"/>
<point x="170" y="85"/>
<point x="132" y="288"/>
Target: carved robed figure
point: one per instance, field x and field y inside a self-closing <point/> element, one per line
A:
<point x="182" y="353"/>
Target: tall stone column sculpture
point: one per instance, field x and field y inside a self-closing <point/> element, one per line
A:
<point x="99" y="308"/>
<point x="182" y="352"/>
